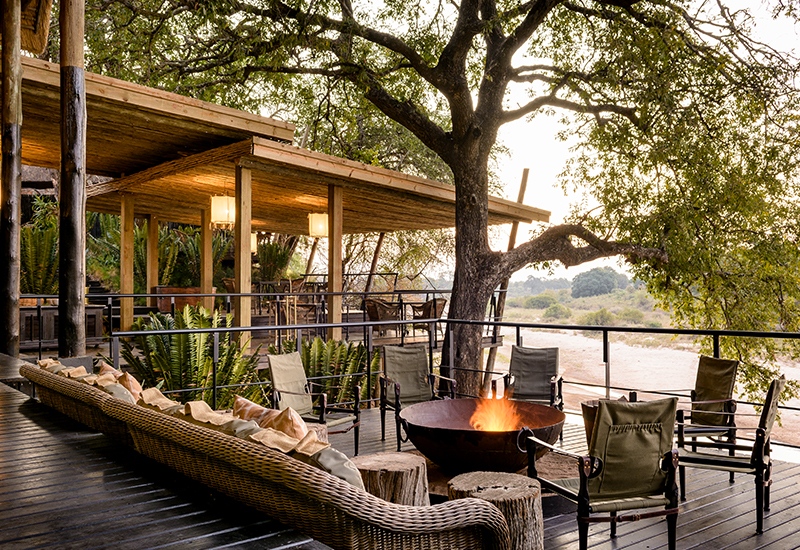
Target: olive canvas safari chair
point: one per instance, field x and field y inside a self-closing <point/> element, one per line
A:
<point x="533" y="376"/>
<point x="631" y="465"/>
<point x="756" y="461"/>
<point x="291" y="388"/>
<point x="407" y="375"/>
<point x="712" y="399"/>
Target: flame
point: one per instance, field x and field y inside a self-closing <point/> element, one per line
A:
<point x="495" y="415"/>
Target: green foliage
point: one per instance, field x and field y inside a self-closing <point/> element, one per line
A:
<point x="39" y="260"/>
<point x="189" y="266"/>
<point x="273" y="260"/>
<point x="557" y="311"/>
<point x="540" y="301"/>
<point x="334" y="358"/>
<point x="631" y="315"/>
<point x="597" y="281"/>
<point x="185" y="361"/>
<point x="600" y="318"/>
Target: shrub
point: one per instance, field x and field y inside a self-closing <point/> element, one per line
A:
<point x="515" y="302"/>
<point x="540" y="301"/>
<point x="654" y="324"/>
<point x="631" y="315"/>
<point x="600" y="318"/>
<point x="557" y="311"/>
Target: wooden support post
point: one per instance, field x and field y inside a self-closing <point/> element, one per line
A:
<point x="242" y="261"/>
<point x="72" y="223"/>
<point x="518" y="498"/>
<point x="501" y="300"/>
<point x="126" y="262"/>
<point x="335" y="211"/>
<point x="206" y="257"/>
<point x="152" y="259"/>
<point x="11" y="188"/>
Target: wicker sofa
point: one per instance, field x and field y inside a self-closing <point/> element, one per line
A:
<point x="306" y="498"/>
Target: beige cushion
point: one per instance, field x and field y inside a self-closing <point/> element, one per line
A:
<point x="120" y="392"/>
<point x="335" y="463"/>
<point x="131" y="384"/>
<point x="152" y="398"/>
<point x="105" y="368"/>
<point x="104" y="380"/>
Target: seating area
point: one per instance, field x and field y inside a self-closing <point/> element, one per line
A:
<point x="711" y="499"/>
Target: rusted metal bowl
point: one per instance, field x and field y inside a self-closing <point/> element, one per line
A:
<point x="441" y="431"/>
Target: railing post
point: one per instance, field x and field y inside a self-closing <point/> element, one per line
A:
<point x="40" y="322"/>
<point x="214" y="372"/>
<point x="297" y="335"/>
<point x="111" y="315"/>
<point x="115" y="351"/>
<point x="607" y="363"/>
<point x="717" y="351"/>
<point x="519" y="336"/>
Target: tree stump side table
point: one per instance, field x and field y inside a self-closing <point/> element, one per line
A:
<point x="518" y="498"/>
<point x="400" y="478"/>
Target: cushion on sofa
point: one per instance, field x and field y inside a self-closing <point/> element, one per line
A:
<point x="105" y="368"/>
<point x="120" y="392"/>
<point x="152" y="398"/>
<point x="201" y="413"/>
<point x="286" y="421"/>
<point x="335" y="463"/>
<point x="131" y="384"/>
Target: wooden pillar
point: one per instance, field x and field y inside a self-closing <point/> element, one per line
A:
<point x="11" y="188"/>
<point x="72" y="223"/>
<point x="206" y="257"/>
<point x="242" y="259"/>
<point x="126" y="262"/>
<point x="152" y="259"/>
<point x="335" y="210"/>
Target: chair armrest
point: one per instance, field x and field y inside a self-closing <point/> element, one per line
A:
<point x="539" y="443"/>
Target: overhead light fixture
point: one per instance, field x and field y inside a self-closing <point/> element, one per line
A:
<point x="318" y="225"/>
<point x="223" y="212"/>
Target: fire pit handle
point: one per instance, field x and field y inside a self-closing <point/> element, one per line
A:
<point x="404" y="426"/>
<point x="523" y="432"/>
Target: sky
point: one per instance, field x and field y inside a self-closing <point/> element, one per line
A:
<point x="533" y="145"/>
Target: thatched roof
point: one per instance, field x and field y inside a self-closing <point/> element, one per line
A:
<point x="173" y="153"/>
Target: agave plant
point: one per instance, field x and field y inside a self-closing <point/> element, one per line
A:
<point x="185" y="361"/>
<point x="331" y="359"/>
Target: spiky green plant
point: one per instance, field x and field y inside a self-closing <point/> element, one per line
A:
<point x="185" y="361"/>
<point x="273" y="260"/>
<point x="39" y="260"/>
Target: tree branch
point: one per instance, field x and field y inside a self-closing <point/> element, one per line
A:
<point x="556" y="243"/>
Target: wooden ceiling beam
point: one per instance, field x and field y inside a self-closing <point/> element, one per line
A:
<point x="213" y="156"/>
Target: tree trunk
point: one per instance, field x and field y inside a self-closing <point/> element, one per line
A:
<point x="374" y="267"/>
<point x="476" y="274"/>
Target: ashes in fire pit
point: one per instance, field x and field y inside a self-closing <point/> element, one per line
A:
<point x="452" y="436"/>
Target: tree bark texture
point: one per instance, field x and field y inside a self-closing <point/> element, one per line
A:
<point x="400" y="478"/>
<point x="518" y="498"/>
<point x="11" y="175"/>
<point x="72" y="202"/>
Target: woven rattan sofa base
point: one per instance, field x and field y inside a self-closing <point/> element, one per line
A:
<point x="301" y="496"/>
<point x="80" y="402"/>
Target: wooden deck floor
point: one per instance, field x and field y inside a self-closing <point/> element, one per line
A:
<point x="716" y="515"/>
<point x="64" y="487"/>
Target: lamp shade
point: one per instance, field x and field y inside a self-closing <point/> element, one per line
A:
<point x="253" y="243"/>
<point x="223" y="211"/>
<point x="318" y="225"/>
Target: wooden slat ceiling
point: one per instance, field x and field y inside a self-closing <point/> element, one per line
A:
<point x="173" y="153"/>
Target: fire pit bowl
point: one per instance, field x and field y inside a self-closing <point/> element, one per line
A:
<point x="441" y="431"/>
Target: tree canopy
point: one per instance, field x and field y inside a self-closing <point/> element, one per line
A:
<point x="686" y="125"/>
